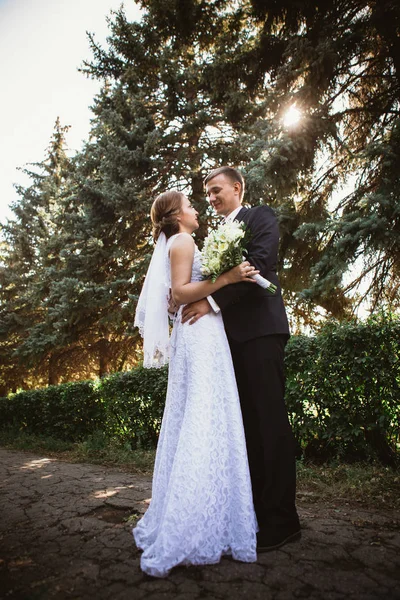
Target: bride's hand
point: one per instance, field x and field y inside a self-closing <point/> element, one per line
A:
<point x="173" y="307"/>
<point x="242" y="272"/>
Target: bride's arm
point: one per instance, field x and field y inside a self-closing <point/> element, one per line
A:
<point x="185" y="291"/>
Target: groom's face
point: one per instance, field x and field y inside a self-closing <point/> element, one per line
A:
<point x="223" y="194"/>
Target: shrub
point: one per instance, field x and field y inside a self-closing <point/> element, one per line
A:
<point x="70" y="411"/>
<point x="342" y="394"/>
<point x="134" y="403"/>
<point x="125" y="406"/>
<point x="343" y="390"/>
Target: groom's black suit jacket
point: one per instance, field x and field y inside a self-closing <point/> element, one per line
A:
<point x="248" y="310"/>
<point x="257" y="329"/>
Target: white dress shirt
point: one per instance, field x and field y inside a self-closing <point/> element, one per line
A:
<point x="232" y="216"/>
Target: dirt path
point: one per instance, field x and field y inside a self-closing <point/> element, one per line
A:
<point x="64" y="534"/>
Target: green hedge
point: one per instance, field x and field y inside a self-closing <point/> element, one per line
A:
<point x="134" y="405"/>
<point x="70" y="411"/>
<point x="343" y="392"/>
<point x="127" y="406"/>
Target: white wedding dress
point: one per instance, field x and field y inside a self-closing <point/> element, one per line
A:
<point x="202" y="506"/>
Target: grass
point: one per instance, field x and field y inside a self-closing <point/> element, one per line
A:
<point x="368" y="485"/>
<point x="364" y="484"/>
<point x="96" y="449"/>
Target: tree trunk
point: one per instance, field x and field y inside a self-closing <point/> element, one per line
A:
<point x="377" y="440"/>
<point x="53" y="376"/>
<point x="200" y="203"/>
<point x="104" y="356"/>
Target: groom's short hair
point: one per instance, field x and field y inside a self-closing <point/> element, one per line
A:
<point x="233" y="174"/>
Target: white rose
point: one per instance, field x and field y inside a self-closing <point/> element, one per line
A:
<point x="214" y="265"/>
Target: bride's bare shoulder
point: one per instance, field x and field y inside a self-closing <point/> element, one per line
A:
<point x="182" y="242"/>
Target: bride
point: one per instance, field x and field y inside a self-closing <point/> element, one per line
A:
<point x="202" y="506"/>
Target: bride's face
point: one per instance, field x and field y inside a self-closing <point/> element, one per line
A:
<point x="188" y="216"/>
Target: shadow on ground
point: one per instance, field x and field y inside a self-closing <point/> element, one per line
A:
<point x="65" y="532"/>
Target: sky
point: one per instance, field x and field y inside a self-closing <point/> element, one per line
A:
<point x="42" y="45"/>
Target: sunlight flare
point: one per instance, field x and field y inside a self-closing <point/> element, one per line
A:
<point x="292" y="116"/>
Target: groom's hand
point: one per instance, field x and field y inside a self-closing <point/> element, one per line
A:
<point x="194" y="311"/>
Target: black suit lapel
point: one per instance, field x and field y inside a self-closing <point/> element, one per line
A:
<point x="241" y="213"/>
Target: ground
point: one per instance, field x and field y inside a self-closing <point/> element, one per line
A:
<point x="65" y="532"/>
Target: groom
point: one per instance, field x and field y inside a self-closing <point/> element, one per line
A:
<point x="257" y="329"/>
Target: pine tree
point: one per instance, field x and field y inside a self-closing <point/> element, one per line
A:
<point x="193" y="85"/>
<point x="210" y="82"/>
<point x="33" y="244"/>
<point x="339" y="64"/>
<point x="161" y="119"/>
<point x="154" y="128"/>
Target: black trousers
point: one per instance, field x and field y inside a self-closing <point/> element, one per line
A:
<point x="259" y="370"/>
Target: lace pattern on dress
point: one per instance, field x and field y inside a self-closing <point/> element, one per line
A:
<point x="201" y="505"/>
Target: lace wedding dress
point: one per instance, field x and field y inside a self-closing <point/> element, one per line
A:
<point x="201" y="505"/>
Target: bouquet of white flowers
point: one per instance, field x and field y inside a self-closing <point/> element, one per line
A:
<point x="224" y="249"/>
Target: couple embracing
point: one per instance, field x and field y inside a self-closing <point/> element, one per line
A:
<point x="224" y="477"/>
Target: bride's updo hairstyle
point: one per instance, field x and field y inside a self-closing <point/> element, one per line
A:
<point x="164" y="213"/>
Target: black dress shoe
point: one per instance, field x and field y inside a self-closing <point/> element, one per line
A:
<point x="274" y="540"/>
